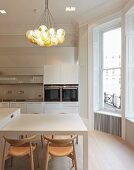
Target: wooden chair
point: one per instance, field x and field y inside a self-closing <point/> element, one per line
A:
<point x="59" y="148"/>
<point x="19" y="148"/>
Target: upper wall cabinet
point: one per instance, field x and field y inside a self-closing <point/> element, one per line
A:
<point x="52" y="74"/>
<point x="61" y="74"/>
<point x="69" y="74"/>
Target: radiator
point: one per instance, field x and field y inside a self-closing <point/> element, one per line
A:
<point x="107" y="123"/>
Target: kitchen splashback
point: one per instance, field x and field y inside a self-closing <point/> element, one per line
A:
<point x="20" y="92"/>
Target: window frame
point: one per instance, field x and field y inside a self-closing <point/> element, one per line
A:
<point x="102" y="70"/>
<point x="101" y="29"/>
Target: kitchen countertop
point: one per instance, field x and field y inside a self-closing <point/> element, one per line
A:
<point x="6" y="114"/>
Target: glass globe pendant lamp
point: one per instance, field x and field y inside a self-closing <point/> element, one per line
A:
<point x="46" y="35"/>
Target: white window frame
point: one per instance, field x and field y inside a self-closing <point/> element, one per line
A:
<point x="129" y="35"/>
<point x="97" y="58"/>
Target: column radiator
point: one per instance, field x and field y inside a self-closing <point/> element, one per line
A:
<point x="107" y="123"/>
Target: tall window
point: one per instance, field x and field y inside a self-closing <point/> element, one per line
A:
<point x="111" y="69"/>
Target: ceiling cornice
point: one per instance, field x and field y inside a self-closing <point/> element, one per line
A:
<point x="91" y="16"/>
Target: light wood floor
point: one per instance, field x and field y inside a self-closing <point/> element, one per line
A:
<point x="106" y="152"/>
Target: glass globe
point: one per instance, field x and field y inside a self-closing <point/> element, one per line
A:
<point x="61" y="39"/>
<point x="60" y="32"/>
<point x="36" y="33"/>
<point x="29" y="34"/>
<point x="42" y="28"/>
<point x="51" y="32"/>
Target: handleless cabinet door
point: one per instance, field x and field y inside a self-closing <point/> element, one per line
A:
<point x="35" y="107"/>
<point x="61" y="74"/>
<point x="69" y="74"/>
<point x="21" y="105"/>
<point x="52" y="74"/>
<point x="52" y="107"/>
<point x="4" y="104"/>
<point x="70" y="107"/>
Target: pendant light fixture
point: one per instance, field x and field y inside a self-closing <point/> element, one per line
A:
<point x="46" y="35"/>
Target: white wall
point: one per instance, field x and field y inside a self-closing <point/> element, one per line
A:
<point x="83" y="73"/>
<point x="86" y="79"/>
<point x="36" y="56"/>
<point x="129" y="132"/>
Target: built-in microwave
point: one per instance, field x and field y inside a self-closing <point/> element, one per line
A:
<point x="61" y="93"/>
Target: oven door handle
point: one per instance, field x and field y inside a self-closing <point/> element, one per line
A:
<point x="69" y="88"/>
<point x="53" y="88"/>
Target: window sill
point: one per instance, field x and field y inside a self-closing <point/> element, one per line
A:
<point x="130" y="119"/>
<point x="108" y="113"/>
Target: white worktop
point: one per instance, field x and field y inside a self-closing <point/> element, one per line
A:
<point x="6" y="114"/>
<point x="46" y="122"/>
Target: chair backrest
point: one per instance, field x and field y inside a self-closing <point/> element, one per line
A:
<point x="60" y="142"/>
<point x="19" y="142"/>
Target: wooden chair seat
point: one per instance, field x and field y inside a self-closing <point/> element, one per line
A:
<point x="60" y="151"/>
<point x="20" y="150"/>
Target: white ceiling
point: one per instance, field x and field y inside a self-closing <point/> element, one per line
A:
<point x="21" y="16"/>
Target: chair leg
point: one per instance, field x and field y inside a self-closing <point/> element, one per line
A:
<point x="77" y="140"/>
<point x="37" y="156"/>
<point x="11" y="162"/>
<point x="3" y="157"/>
<point x="42" y="141"/>
<point x="31" y="161"/>
<point x="31" y="157"/>
<point x="74" y="157"/>
<point x="46" y="157"/>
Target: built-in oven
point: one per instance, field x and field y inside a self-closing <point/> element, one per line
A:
<point x="70" y="93"/>
<point x="61" y="93"/>
<point x="52" y="93"/>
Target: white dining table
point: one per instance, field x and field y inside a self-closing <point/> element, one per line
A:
<point x="48" y="124"/>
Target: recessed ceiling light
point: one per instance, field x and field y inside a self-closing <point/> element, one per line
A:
<point x="70" y="8"/>
<point x="3" y="11"/>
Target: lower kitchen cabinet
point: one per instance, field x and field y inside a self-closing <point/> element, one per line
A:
<point x="4" y="104"/>
<point x="43" y="107"/>
<point x="52" y="107"/>
<point x="35" y="107"/>
<point x="70" y="107"/>
<point x="61" y="107"/>
<point x="25" y="107"/>
<point x="21" y="105"/>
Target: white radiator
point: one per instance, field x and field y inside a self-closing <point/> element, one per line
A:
<point x="107" y="123"/>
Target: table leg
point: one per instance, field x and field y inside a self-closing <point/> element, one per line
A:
<point x="85" y="151"/>
<point x="1" y="148"/>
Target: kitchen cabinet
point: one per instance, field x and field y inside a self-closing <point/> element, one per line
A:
<point x="25" y="107"/>
<point x="35" y="107"/>
<point x="52" y="107"/>
<point x="69" y="74"/>
<point x="61" y="107"/>
<point x="70" y="107"/>
<point x="4" y="104"/>
<point x="43" y="107"/>
<point x="61" y="74"/>
<point x="21" y="105"/>
<point x="52" y="74"/>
